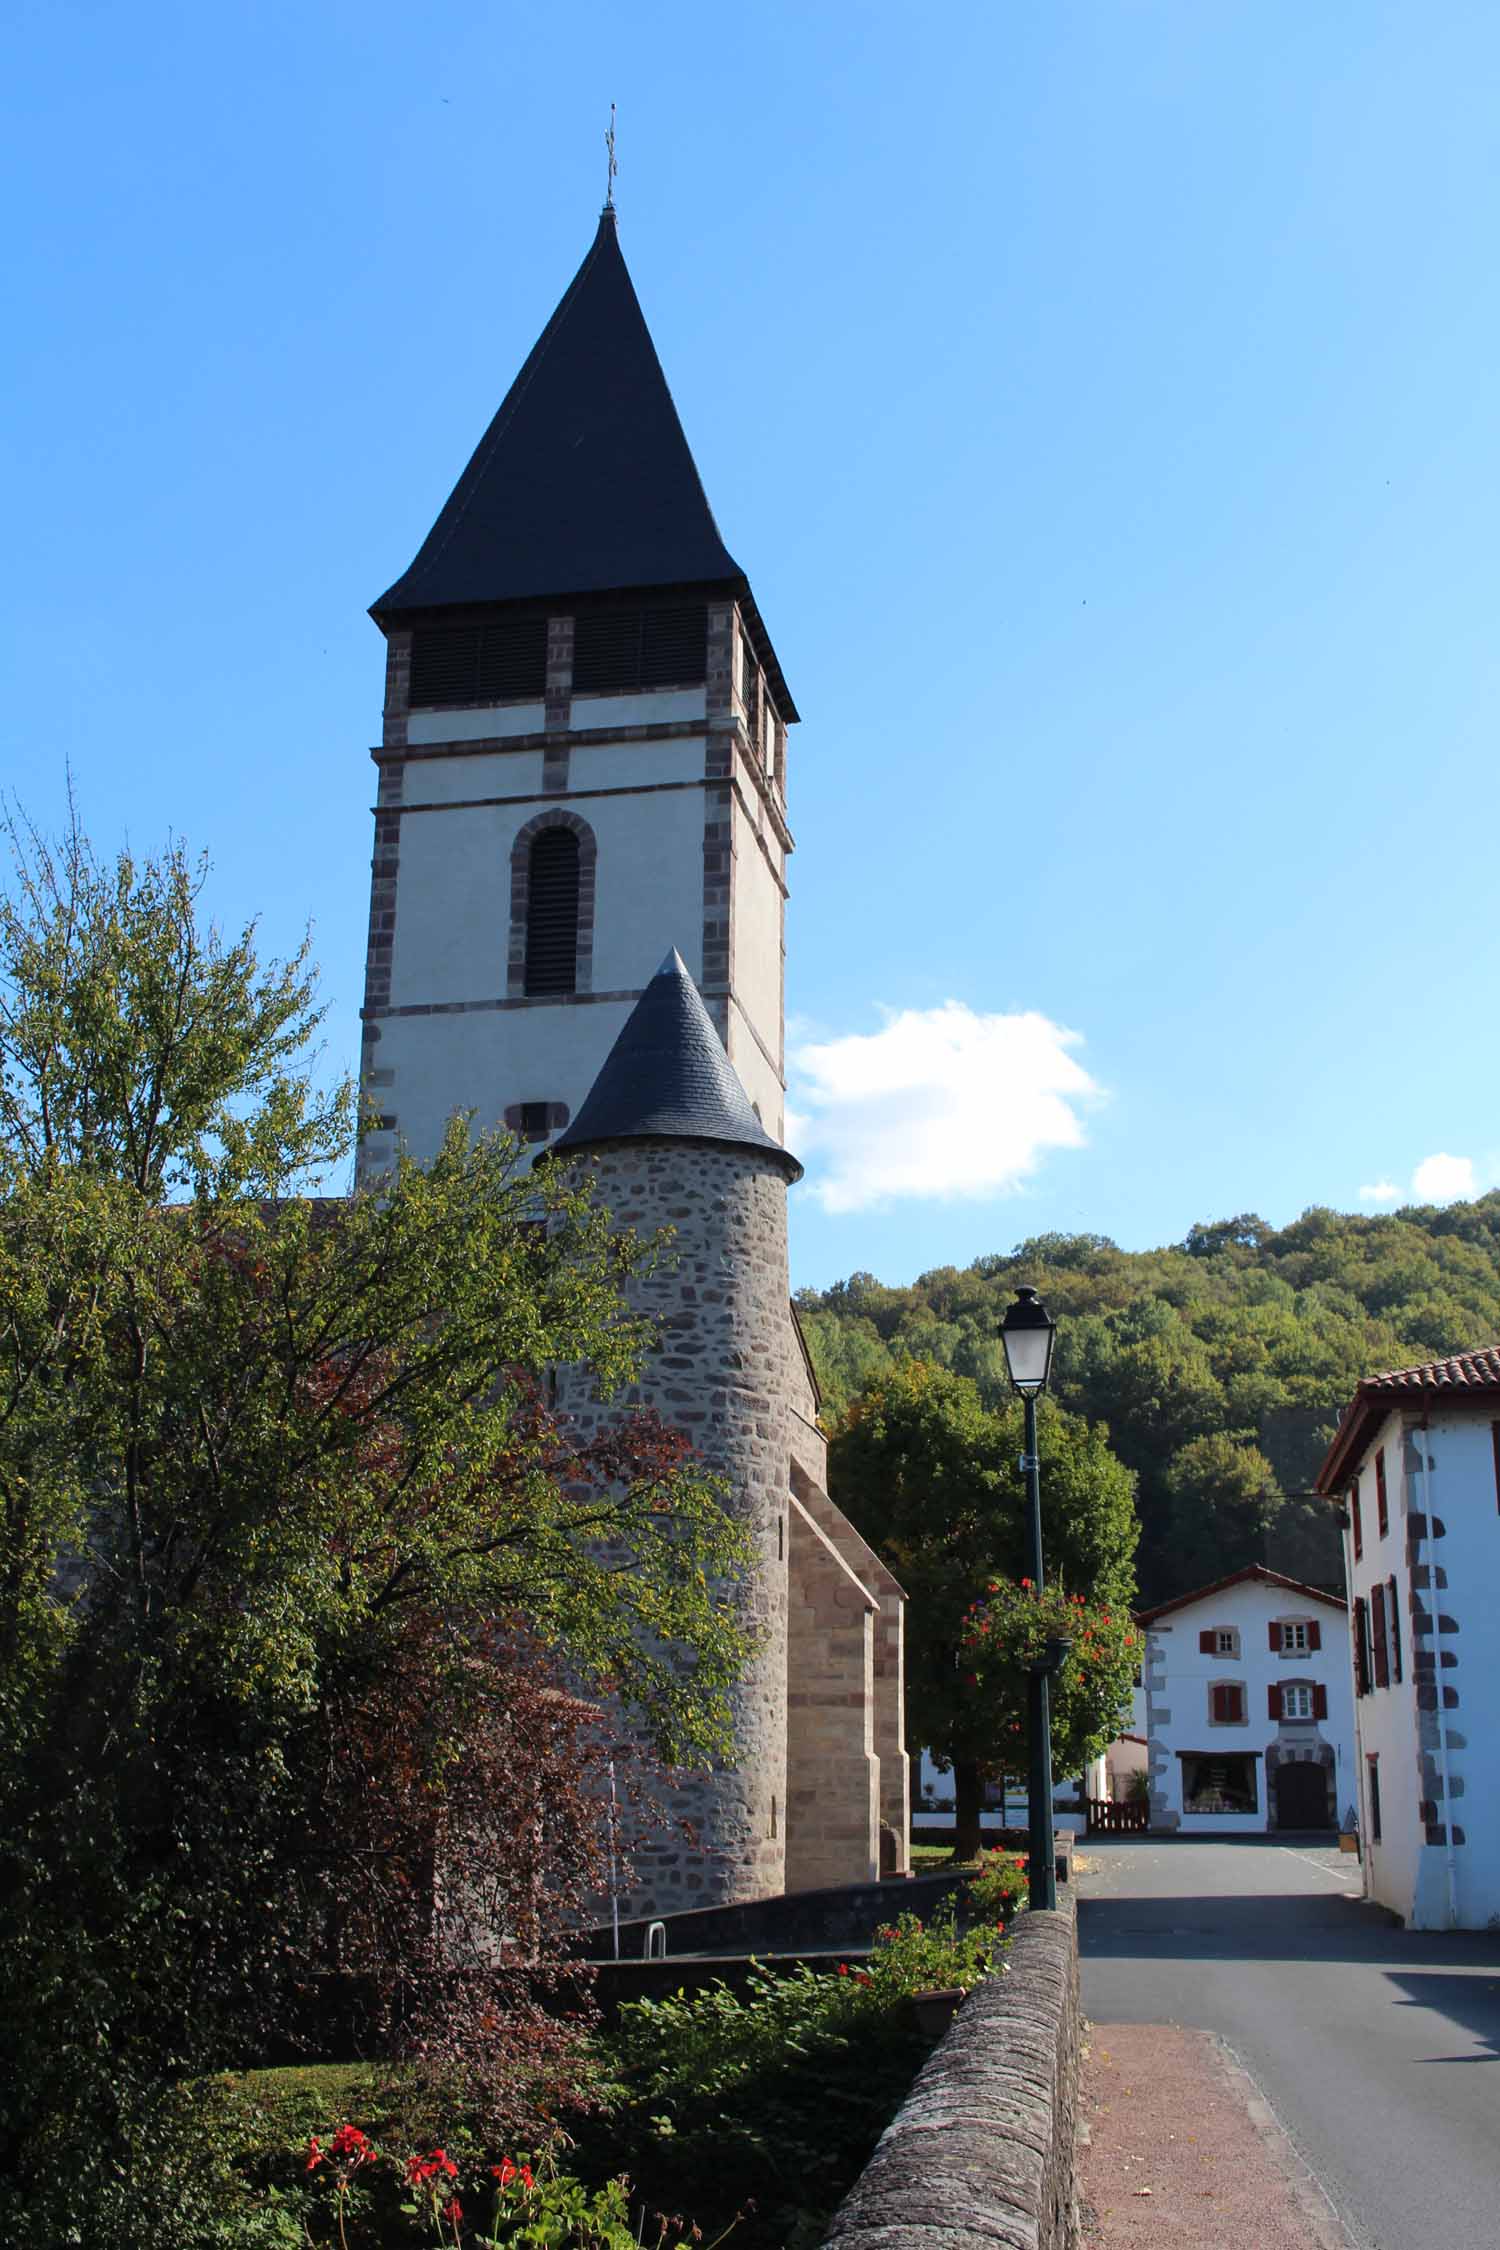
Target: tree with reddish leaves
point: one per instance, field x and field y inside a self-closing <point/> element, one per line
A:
<point x="292" y="1551"/>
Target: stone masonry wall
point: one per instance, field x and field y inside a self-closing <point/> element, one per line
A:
<point x="890" y="1657"/>
<point x="981" y="2154"/>
<point x="833" y="1776"/>
<point x="722" y="1374"/>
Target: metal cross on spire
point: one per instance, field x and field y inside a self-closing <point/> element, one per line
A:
<point x="609" y="142"/>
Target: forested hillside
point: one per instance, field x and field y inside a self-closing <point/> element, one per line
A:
<point x="1219" y="1365"/>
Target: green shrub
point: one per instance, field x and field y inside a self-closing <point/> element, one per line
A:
<point x="759" y="2110"/>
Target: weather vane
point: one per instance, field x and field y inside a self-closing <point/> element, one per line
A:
<point x="609" y="142"/>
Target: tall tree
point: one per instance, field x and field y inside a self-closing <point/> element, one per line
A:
<point x="282" y="1507"/>
<point x="931" y="1476"/>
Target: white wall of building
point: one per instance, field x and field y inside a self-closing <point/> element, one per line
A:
<point x="464" y="1042"/>
<point x="1179" y="1676"/>
<point x="475" y="725"/>
<point x="1403" y="1870"/>
<point x="432" y="1056"/>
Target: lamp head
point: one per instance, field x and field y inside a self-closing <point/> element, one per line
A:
<point x="1028" y="1332"/>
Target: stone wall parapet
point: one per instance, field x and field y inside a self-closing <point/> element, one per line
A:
<point x="982" y="2153"/>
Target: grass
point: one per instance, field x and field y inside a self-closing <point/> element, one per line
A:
<point x="926" y="1858"/>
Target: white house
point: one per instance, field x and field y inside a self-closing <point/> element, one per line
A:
<point x="1249" y="1724"/>
<point x="1416" y="1466"/>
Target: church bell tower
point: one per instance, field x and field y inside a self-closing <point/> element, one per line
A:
<point x="583" y="762"/>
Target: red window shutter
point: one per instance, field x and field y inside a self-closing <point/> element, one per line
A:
<point x="1216" y="1704"/>
<point x="1273" y="1699"/>
<point x="1361" y="1646"/>
<point x="1236" y="1705"/>
<point x="1377" y="1623"/>
<point x="1206" y="1642"/>
<point x="1382" y="1509"/>
<point x="1274" y="1631"/>
<point x="1393" y="1608"/>
<point x="1320" y="1701"/>
<point x="1359" y="1532"/>
<point x="1314" y="1633"/>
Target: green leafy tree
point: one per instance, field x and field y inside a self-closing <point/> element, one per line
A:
<point x="1007" y="1633"/>
<point x="281" y="1507"/>
<point x="1244" y="1336"/>
<point x="931" y="1477"/>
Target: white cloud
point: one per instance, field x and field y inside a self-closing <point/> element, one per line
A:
<point x="1443" y="1179"/>
<point x="1437" y="1179"/>
<point x="939" y="1103"/>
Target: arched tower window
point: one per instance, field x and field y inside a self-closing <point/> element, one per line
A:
<point x="552" y="908"/>
<point x="552" y="914"/>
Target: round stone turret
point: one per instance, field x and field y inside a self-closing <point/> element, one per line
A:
<point x="674" y="1144"/>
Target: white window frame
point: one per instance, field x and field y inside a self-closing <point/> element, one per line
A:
<point x="1227" y="1641"/>
<point x="1294" y="1692"/>
<point x="1294" y="1637"/>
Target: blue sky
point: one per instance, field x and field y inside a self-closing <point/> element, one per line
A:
<point x="1102" y="400"/>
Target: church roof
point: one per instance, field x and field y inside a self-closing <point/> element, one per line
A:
<point x="667" y="1077"/>
<point x="583" y="483"/>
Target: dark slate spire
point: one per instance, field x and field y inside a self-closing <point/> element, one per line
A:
<point x="667" y="1077"/>
<point x="583" y="483"/>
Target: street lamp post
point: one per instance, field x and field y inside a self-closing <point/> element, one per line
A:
<point x="1027" y="1333"/>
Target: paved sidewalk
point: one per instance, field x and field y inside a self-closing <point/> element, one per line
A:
<point x="1183" y="2153"/>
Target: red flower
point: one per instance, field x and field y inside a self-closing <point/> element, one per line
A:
<point x="1026" y="1585"/>
<point x="314" y="2153"/>
<point x="504" y="2173"/>
<point x="526" y="2180"/>
<point x="843" y="1968"/>
<point x="453" y="2210"/>
<point x="349" y="2141"/>
<point x="860" y="1977"/>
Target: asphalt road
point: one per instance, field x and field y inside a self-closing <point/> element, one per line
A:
<point x="1377" y="2047"/>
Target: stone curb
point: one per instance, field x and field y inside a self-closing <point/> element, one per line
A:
<point x="981" y="2154"/>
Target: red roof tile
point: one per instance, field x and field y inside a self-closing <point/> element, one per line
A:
<point x="1468" y="1378"/>
<point x="1466" y="1371"/>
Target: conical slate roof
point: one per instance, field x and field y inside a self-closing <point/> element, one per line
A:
<point x="583" y="483"/>
<point x="667" y="1077"/>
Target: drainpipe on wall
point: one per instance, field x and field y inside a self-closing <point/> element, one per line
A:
<point x="1430" y="1551"/>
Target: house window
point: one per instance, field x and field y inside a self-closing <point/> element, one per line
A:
<point x="1372" y="1768"/>
<point x="1297" y="1700"/>
<point x="1379" y="1647"/>
<point x="1218" y="1784"/>
<point x="1295" y="1636"/>
<point x="1226" y="1703"/>
<point x="1361" y="1646"/>
<point x="552" y="913"/>
<point x="1219" y="1640"/>
<point x="534" y="1121"/>
<point x="1382" y="1505"/>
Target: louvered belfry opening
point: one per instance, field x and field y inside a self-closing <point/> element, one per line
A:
<point x="505" y="660"/>
<point x="640" y="648"/>
<point x="552" y="914"/>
